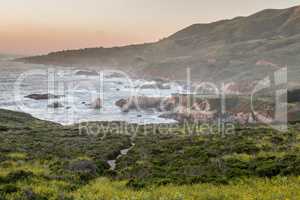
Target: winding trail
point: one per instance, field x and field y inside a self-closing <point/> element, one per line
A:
<point x="123" y="152"/>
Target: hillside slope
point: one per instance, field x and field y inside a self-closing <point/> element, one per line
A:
<point x="43" y="160"/>
<point x="229" y="49"/>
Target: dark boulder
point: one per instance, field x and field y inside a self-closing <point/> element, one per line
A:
<point x="293" y="96"/>
<point x="123" y="104"/>
<point x="114" y="75"/>
<point x="86" y="73"/>
<point x="43" y="96"/>
<point x="161" y="86"/>
<point x="139" y="102"/>
<point x="55" y="105"/>
<point x="97" y="104"/>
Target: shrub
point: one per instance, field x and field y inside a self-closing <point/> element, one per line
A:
<point x="13" y="177"/>
<point x="136" y="184"/>
<point x="8" y="188"/>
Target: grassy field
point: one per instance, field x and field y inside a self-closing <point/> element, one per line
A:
<point x="277" y="188"/>
<point x="43" y="160"/>
<point x="21" y="179"/>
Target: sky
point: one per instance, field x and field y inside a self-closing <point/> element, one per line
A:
<point x="29" y="27"/>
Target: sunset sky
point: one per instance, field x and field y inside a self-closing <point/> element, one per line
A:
<point x="41" y="26"/>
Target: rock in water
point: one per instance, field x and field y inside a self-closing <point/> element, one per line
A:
<point x="114" y="75"/>
<point x="160" y="104"/>
<point x="43" y="96"/>
<point x="86" y="73"/>
<point x="55" y="105"/>
<point x="123" y="104"/>
<point x="161" y="86"/>
<point x="139" y="102"/>
<point x="97" y="104"/>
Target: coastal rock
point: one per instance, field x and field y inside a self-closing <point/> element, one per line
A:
<point x="178" y="107"/>
<point x="161" y="80"/>
<point x="243" y="118"/>
<point x="168" y="104"/>
<point x="161" y="86"/>
<point x="97" y="104"/>
<point x="185" y="108"/>
<point x="148" y="102"/>
<point x="139" y="102"/>
<point x="114" y="75"/>
<point x="121" y="103"/>
<point x="165" y="87"/>
<point x="86" y="73"/>
<point x="55" y="105"/>
<point x="190" y="116"/>
<point x="180" y="117"/>
<point x="160" y="104"/>
<point x="43" y="96"/>
<point x="293" y="96"/>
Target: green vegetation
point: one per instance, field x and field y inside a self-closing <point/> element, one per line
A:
<point x="43" y="160"/>
<point x="33" y="181"/>
<point x="251" y="152"/>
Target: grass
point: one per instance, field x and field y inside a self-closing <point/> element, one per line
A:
<point x="259" y="151"/>
<point x="41" y="160"/>
<point x="278" y="188"/>
<point x="102" y="188"/>
<point x="39" y="186"/>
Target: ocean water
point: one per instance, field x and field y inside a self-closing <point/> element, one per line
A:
<point x="18" y="80"/>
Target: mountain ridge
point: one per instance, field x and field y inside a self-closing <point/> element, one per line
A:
<point x="219" y="50"/>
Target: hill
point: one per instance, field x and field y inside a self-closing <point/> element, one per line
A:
<point x="44" y="160"/>
<point x="229" y="49"/>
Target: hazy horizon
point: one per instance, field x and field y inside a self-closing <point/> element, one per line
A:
<point x="38" y="27"/>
